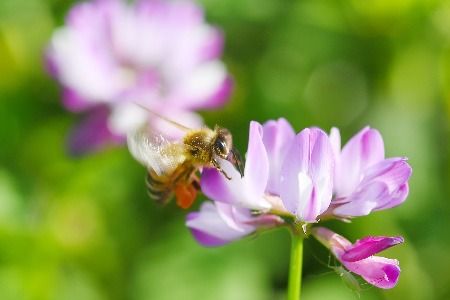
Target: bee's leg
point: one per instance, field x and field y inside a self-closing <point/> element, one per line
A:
<point x="195" y="181"/>
<point x="219" y="168"/>
<point x="196" y="184"/>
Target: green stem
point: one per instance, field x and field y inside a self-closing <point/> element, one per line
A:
<point x="295" y="268"/>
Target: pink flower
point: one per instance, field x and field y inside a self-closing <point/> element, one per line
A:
<point x="359" y="257"/>
<point x="289" y="174"/>
<point x="295" y="170"/>
<point x="160" y="54"/>
<point x="364" y="180"/>
<point x="293" y="177"/>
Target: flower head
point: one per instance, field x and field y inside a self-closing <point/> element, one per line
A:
<point x="364" y="180"/>
<point x="359" y="257"/>
<point x="296" y="180"/>
<point x="282" y="169"/>
<point x="160" y="54"/>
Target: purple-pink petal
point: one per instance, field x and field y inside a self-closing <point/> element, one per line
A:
<point x="393" y="171"/>
<point x="277" y="137"/>
<point x="249" y="190"/>
<point x="335" y="141"/>
<point x="296" y="185"/>
<point x="383" y="185"/>
<point x="215" y="186"/>
<point x="362" y="151"/>
<point x="92" y="133"/>
<point x="307" y="174"/>
<point x="364" y="201"/>
<point x="256" y="171"/>
<point x="322" y="170"/>
<point x="364" y="180"/>
<point x="74" y="102"/>
<point x="369" y="246"/>
<point x="218" y="224"/>
<point x="396" y="197"/>
<point x="379" y="271"/>
<point x="220" y="96"/>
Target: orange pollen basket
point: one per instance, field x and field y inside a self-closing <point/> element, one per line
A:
<point x="185" y="195"/>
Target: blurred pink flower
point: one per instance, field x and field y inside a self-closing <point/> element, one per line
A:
<point x="161" y="54"/>
<point x="359" y="257"/>
<point x="364" y="180"/>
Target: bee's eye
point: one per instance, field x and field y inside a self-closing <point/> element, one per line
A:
<point x="221" y="148"/>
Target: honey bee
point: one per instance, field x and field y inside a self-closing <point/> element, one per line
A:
<point x="173" y="166"/>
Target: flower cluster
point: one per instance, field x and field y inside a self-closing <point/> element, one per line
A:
<point x="299" y="179"/>
<point x="111" y="55"/>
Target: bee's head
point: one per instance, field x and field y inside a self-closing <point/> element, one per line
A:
<point x="223" y="148"/>
<point x="223" y="142"/>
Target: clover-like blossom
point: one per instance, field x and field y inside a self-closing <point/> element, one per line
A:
<point x="298" y="170"/>
<point x="160" y="54"/>
<point x="289" y="180"/>
<point x="294" y="175"/>
<point x="284" y="175"/>
<point x="359" y="257"/>
<point x="364" y="180"/>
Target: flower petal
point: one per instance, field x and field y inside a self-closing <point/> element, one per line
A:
<point x="321" y="170"/>
<point x="335" y="141"/>
<point x="369" y="246"/>
<point x="362" y="151"/>
<point x="295" y="184"/>
<point x="211" y="229"/>
<point x="361" y="203"/>
<point x="331" y="240"/>
<point x="207" y="86"/>
<point x="379" y="271"/>
<point x="74" y="102"/>
<point x="216" y="187"/>
<point x="307" y="175"/>
<point x="393" y="171"/>
<point x="92" y="133"/>
<point x="395" y="198"/>
<point x="249" y="190"/>
<point x="383" y="186"/>
<point x="277" y="137"/>
<point x="256" y="173"/>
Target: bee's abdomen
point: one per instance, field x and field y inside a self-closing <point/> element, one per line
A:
<point x="159" y="188"/>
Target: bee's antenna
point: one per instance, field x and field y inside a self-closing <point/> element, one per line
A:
<point x="178" y="125"/>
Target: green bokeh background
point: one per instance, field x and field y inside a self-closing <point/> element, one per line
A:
<point x="83" y="228"/>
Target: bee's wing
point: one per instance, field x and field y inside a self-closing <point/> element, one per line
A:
<point x="155" y="151"/>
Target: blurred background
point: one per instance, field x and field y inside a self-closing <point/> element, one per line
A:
<point x="83" y="228"/>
